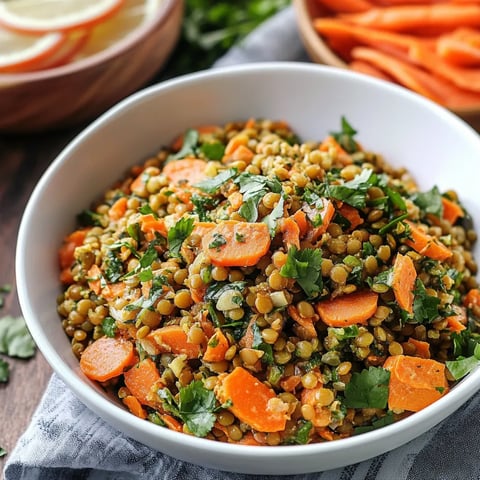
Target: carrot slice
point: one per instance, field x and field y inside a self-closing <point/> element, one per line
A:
<point x="217" y="346"/>
<point x="415" y="382"/>
<point x="140" y="380"/>
<point x="94" y="276"/>
<point x="403" y="281"/>
<point x="70" y="243"/>
<point x="472" y="298"/>
<point x="252" y="401"/>
<point x="290" y="232"/>
<point x="149" y="224"/>
<point x="307" y="323"/>
<point x="326" y="215"/>
<point x="242" y="153"/>
<point x="173" y="339"/>
<point x="171" y="422"/>
<point x="422" y="348"/>
<point x="190" y="170"/>
<point x="452" y="211"/>
<point x="456" y="323"/>
<point x="118" y="209"/>
<point x="425" y="244"/>
<point x="352" y="215"/>
<point x="106" y="358"/>
<point x="351" y="309"/>
<point x="417" y="17"/>
<point x="135" y="406"/>
<point x="301" y="220"/>
<point x="236" y="244"/>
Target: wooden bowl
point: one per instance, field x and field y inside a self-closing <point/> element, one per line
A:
<point x="78" y="92"/>
<point x="320" y="52"/>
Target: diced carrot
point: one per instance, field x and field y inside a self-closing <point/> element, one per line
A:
<point x="140" y="380"/>
<point x="171" y="422"/>
<point x="456" y="323"/>
<point x="361" y="66"/>
<point x="352" y="215"/>
<point x="307" y="324"/>
<point x="135" y="406"/>
<point x="472" y="298"/>
<point x="290" y="232"/>
<point x="106" y="358"/>
<point x="70" y="243"/>
<point x="217" y="346"/>
<point x="403" y="281"/>
<point x="149" y="225"/>
<point x="422" y="348"/>
<point x="94" y="276"/>
<point x="236" y="201"/>
<point x="115" y="290"/>
<point x="325" y="433"/>
<point x="416" y="17"/>
<point x="452" y="211"/>
<point x="351" y="309"/>
<point x="290" y="383"/>
<point x="66" y="276"/>
<point x="329" y="143"/>
<point x="346" y="6"/>
<point x="235" y="142"/>
<point x="460" y="47"/>
<point x="425" y="244"/>
<point x="242" y="153"/>
<point x="189" y="170"/>
<point x="252" y="401"/>
<point x="202" y="130"/>
<point x="301" y="220"/>
<point x="172" y="338"/>
<point x="415" y="382"/>
<point x="236" y="244"/>
<point x="326" y="214"/>
<point x="118" y="209"/>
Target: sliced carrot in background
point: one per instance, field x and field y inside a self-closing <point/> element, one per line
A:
<point x="452" y="211"/>
<point x="403" y="281"/>
<point x="425" y="244"/>
<point x="351" y="309"/>
<point x="172" y="338"/>
<point x="415" y="382"/>
<point x="217" y="346"/>
<point x="106" y="358"/>
<point x="346" y="6"/>
<point x="251" y="401"/>
<point x="140" y="379"/>
<point x="190" y="170"/>
<point x="460" y="47"/>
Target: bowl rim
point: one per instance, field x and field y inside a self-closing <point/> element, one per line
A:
<point x="165" y="9"/>
<point x="116" y="414"/>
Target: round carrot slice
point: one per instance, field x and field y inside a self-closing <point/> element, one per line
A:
<point x="32" y="16"/>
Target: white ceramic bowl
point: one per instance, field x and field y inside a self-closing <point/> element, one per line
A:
<point x="409" y="130"/>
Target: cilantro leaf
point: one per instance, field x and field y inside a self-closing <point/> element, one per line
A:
<point x="4" y="371"/>
<point x="202" y="204"/>
<point x="114" y="267"/>
<point x="146" y="209"/>
<point x="211" y="185"/>
<point x="345" y="136"/>
<point x="217" y="241"/>
<point x="177" y="235"/>
<point x="15" y="339"/>
<point x="213" y="150"/>
<point x="259" y="344"/>
<point x="305" y="267"/>
<point x="464" y="365"/>
<point x="425" y="307"/>
<point x="109" y="326"/>
<point x="354" y="191"/>
<point x="88" y="218"/>
<point x="190" y="141"/>
<point x="368" y="389"/>
<point x="429" y="202"/>
<point x="272" y="218"/>
<point x="196" y="407"/>
<point x="302" y="435"/>
<point x="378" y="423"/>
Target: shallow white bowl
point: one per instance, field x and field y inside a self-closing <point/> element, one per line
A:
<point x="409" y="130"/>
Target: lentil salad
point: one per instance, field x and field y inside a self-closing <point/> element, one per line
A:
<point x="246" y="287"/>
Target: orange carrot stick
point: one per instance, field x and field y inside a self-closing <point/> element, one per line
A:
<point x="425" y="244"/>
<point x="422" y="348"/>
<point x="141" y="379"/>
<point x="415" y="382"/>
<point x="361" y="66"/>
<point x="346" y="6"/>
<point x="351" y="309"/>
<point x="173" y="339"/>
<point x="106" y="358"/>
<point x="135" y="406"/>
<point x="236" y="244"/>
<point x="70" y="243"/>
<point x="456" y="323"/>
<point x="190" y="170"/>
<point x="217" y="346"/>
<point x="403" y="281"/>
<point x="252" y="401"/>
<point x="413" y="17"/>
<point x="460" y="47"/>
<point x="452" y="211"/>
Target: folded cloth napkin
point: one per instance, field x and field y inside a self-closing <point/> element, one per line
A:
<point x="67" y="441"/>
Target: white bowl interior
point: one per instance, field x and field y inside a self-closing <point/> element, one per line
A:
<point x="408" y="130"/>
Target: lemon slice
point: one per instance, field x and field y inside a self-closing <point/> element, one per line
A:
<point x="41" y="16"/>
<point x="20" y="53"/>
<point x="132" y="15"/>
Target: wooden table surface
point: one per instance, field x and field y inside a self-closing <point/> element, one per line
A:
<point x="23" y="159"/>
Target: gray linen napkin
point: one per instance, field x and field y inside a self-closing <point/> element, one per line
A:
<point x="67" y="441"/>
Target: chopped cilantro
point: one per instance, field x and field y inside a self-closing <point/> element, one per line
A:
<point x="190" y="141"/>
<point x="217" y="242"/>
<point x="387" y="227"/>
<point x="114" y="267"/>
<point x="196" y="406"/>
<point x="109" y="327"/>
<point x="146" y="209"/>
<point x="272" y="218"/>
<point x="305" y="267"/>
<point x="202" y="204"/>
<point x="429" y="202"/>
<point x="4" y="371"/>
<point x="378" y="423"/>
<point x="368" y="249"/>
<point x="345" y="136"/>
<point x="259" y="344"/>
<point x="396" y="199"/>
<point x="177" y="235"/>
<point x="302" y="434"/>
<point x="383" y="278"/>
<point x="134" y="231"/>
<point x="216" y="289"/>
<point x="368" y="389"/>
<point x="211" y="185"/>
<point x="213" y="150"/>
<point x="87" y="218"/>
<point x="425" y="307"/>
<point x="15" y="339"/>
<point x="464" y="365"/>
<point x="239" y="237"/>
